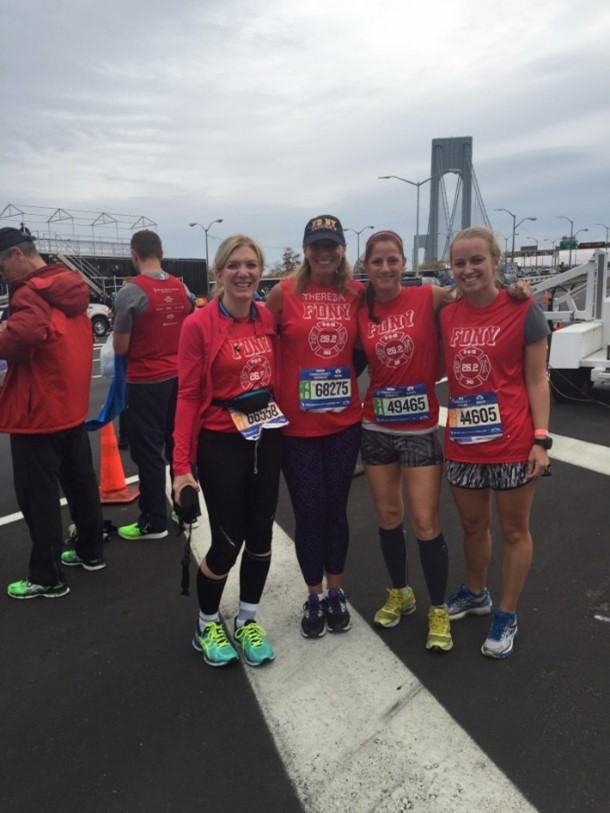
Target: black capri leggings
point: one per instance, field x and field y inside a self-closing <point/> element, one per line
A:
<point x="240" y="483"/>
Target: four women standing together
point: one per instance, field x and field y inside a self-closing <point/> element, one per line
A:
<point x="246" y="372"/>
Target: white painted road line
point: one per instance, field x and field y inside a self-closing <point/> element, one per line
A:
<point x="355" y="729"/>
<point x="18" y="515"/>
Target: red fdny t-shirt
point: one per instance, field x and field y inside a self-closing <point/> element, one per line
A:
<point x="403" y="356"/>
<point x="319" y="389"/>
<point x="489" y="418"/>
<point x="244" y="363"/>
<point x="153" y="348"/>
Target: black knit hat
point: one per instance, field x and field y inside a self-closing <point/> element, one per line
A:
<point x="10" y="237"/>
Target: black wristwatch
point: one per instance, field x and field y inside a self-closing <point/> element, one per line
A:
<point x="546" y="443"/>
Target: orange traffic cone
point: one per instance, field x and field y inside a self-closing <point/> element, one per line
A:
<point x="113" y="488"/>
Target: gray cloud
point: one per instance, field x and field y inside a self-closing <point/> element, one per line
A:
<point x="266" y="112"/>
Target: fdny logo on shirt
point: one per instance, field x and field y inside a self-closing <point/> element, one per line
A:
<point x="328" y="339"/>
<point x="394" y="349"/>
<point x="471" y="367"/>
<point x="256" y="373"/>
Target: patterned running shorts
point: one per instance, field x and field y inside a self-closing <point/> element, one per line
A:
<point x="411" y="451"/>
<point x="497" y="476"/>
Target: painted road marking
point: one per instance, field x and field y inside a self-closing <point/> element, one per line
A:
<point x="355" y="729"/>
<point x="18" y="515"/>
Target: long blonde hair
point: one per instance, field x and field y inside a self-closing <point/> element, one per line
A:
<point x="226" y="248"/>
<point x="483" y="233"/>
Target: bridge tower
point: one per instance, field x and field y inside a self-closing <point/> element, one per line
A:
<point x="451" y="156"/>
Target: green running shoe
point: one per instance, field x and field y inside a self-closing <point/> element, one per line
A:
<point x="400" y="601"/>
<point x="70" y="558"/>
<point x="439" y="630"/>
<point x="176" y="519"/>
<point x="136" y="532"/>
<point x="252" y="639"/>
<point x="27" y="589"/>
<point x="212" y="641"/>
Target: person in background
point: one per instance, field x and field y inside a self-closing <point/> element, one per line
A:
<point x="47" y="343"/>
<point x="229" y="425"/>
<point x="496" y="437"/>
<point x="148" y="315"/>
<point x="316" y="314"/>
<point x="400" y="445"/>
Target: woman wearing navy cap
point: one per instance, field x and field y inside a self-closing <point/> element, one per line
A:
<point x="316" y="313"/>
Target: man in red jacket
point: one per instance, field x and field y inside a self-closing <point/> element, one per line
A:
<point x="47" y="342"/>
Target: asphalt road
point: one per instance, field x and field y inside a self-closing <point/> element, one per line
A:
<point x="106" y="707"/>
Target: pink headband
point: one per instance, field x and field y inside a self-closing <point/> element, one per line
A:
<point x="385" y="233"/>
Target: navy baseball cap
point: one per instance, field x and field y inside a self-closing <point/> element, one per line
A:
<point x="324" y="227"/>
<point x="10" y="237"/>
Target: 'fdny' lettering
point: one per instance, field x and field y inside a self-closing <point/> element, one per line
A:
<point x="474" y="336"/>
<point x="324" y="223"/>
<point x="319" y="310"/>
<point x="391" y="324"/>
<point x="251" y="346"/>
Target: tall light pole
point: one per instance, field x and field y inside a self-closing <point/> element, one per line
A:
<point x="515" y="225"/>
<point x="536" y="241"/>
<point x="552" y="242"/>
<point x="571" y="222"/>
<point x="358" y="232"/>
<point x="417" y="185"/>
<point x="575" y="233"/>
<point x="207" y="261"/>
<point x="607" y="228"/>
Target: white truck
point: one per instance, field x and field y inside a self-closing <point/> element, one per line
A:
<point x="577" y="306"/>
<point x="101" y="319"/>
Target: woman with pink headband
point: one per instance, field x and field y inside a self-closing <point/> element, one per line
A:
<point x="401" y="449"/>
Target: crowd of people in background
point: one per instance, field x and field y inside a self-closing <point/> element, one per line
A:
<point x="236" y="392"/>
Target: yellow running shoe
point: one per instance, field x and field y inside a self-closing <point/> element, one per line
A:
<point x="400" y="601"/>
<point x="439" y="630"/>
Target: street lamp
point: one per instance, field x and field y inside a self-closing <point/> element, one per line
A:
<point x="515" y="225"/>
<point x="536" y="241"/>
<point x="552" y="242"/>
<point x="571" y="222"/>
<point x="416" y="184"/>
<point x="607" y="228"/>
<point x="358" y="232"/>
<point x="575" y="233"/>
<point x="207" y="262"/>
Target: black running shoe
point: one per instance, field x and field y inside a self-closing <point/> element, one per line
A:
<point x="313" y="623"/>
<point x="337" y="614"/>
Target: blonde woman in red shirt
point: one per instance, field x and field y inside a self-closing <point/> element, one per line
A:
<point x="497" y="437"/>
<point x="228" y="427"/>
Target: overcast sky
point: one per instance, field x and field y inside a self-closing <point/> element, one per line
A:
<point x="267" y="112"/>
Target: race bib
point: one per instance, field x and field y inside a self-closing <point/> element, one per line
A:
<point x="474" y="418"/>
<point x="250" y="426"/>
<point x="325" y="389"/>
<point x="401" y="404"/>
